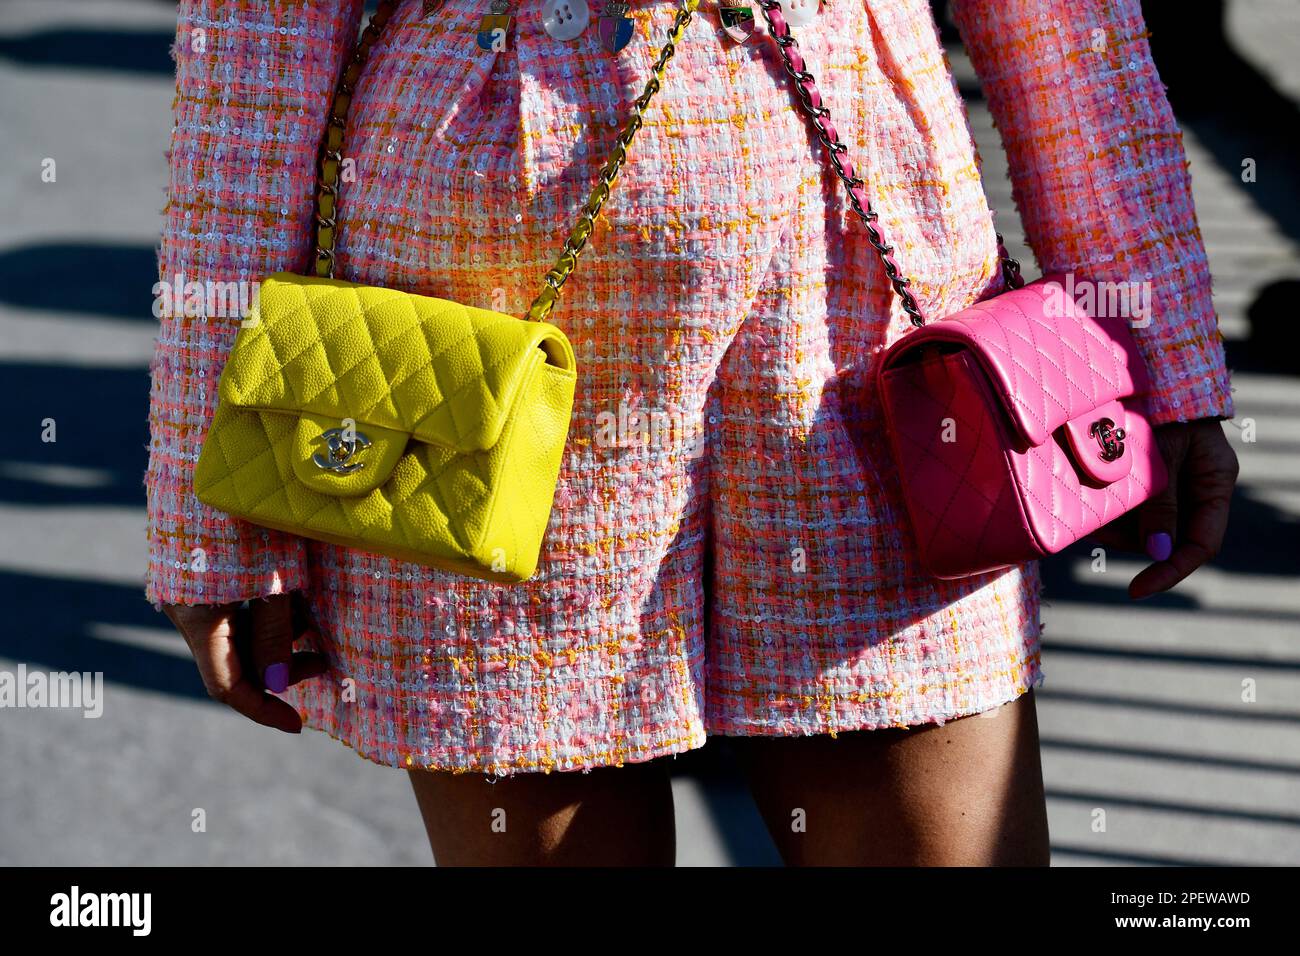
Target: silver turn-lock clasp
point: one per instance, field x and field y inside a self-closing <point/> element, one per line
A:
<point x="342" y="446"/>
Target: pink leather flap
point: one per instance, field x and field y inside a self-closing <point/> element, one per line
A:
<point x="1096" y="441"/>
<point x="1048" y="360"/>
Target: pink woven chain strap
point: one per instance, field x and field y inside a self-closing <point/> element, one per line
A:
<point x="810" y="103"/>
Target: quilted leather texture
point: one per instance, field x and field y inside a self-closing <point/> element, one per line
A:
<point x="466" y="412"/>
<point x="444" y="372"/>
<point x="1048" y="359"/>
<point x="990" y="478"/>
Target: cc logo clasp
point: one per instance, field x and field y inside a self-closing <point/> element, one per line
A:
<point x="342" y="446"/>
<point x="1110" y="438"/>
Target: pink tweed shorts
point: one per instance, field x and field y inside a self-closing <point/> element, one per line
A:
<point x="728" y="551"/>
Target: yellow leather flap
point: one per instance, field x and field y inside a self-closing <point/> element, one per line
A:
<point x="342" y="457"/>
<point x="330" y="351"/>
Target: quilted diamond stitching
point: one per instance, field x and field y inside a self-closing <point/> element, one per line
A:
<point x="314" y="304"/>
<point x="992" y="332"/>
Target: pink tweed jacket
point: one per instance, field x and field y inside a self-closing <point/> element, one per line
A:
<point x="1099" y="174"/>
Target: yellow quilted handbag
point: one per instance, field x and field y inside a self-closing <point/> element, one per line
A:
<point x="394" y="423"/>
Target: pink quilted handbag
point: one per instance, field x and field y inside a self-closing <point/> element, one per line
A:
<point x="1017" y="425"/>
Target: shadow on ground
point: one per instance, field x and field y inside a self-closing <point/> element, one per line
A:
<point x="121" y="51"/>
<point x="112" y="281"/>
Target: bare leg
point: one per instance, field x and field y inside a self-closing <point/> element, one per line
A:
<point x="969" y="793"/>
<point x="613" y="816"/>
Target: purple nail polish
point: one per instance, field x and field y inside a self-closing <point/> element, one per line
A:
<point x="276" y="678"/>
<point x="1159" y="546"/>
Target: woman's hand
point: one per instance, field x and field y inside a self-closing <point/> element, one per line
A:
<point x="1181" y="528"/>
<point x="228" y="642"/>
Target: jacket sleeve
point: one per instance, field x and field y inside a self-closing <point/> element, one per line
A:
<point x="253" y="84"/>
<point x="1100" y="177"/>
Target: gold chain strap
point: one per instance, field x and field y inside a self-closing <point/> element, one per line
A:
<point x="331" y="158"/>
<point x="573" y="245"/>
<point x="331" y="148"/>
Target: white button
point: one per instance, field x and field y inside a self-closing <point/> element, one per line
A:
<point x="565" y="19"/>
<point x="799" y="13"/>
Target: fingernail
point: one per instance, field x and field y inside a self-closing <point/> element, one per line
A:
<point x="276" y="678"/>
<point x="1159" y="546"/>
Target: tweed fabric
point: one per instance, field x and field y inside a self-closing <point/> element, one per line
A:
<point x="728" y="552"/>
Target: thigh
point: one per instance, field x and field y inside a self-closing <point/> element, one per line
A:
<point x="612" y="816"/>
<point x="967" y="793"/>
